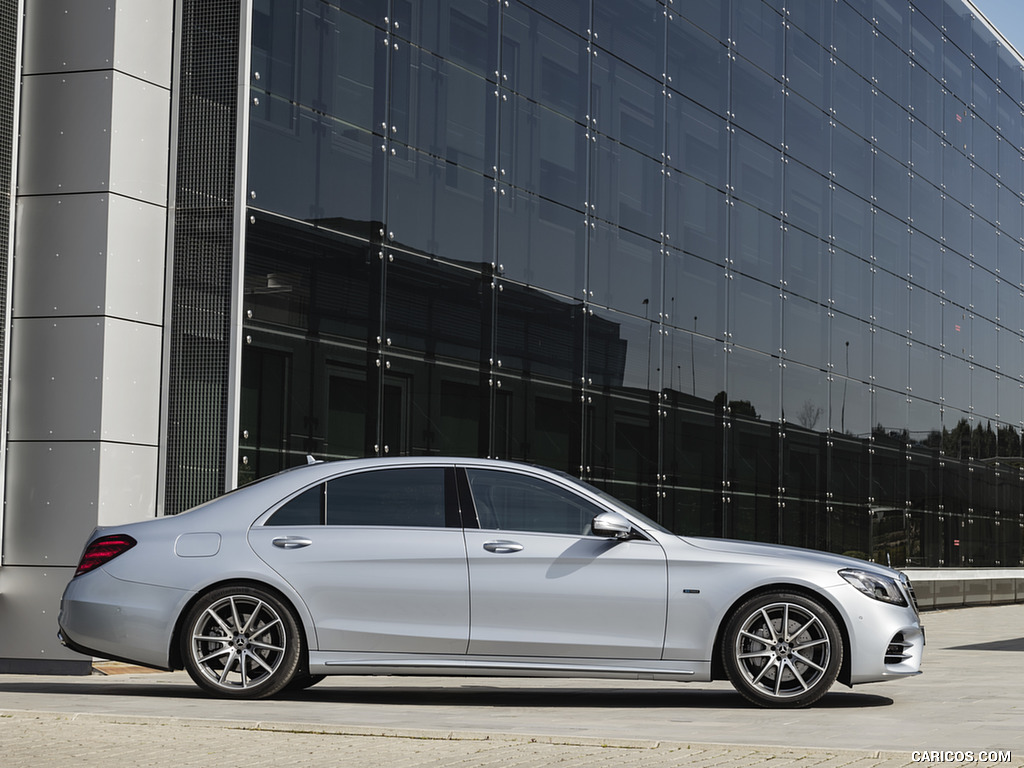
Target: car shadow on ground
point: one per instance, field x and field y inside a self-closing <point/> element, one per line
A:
<point x="559" y="698"/>
<point x="338" y="691"/>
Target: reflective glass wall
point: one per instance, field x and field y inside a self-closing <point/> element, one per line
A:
<point x="752" y="266"/>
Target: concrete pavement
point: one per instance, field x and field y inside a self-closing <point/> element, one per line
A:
<point x="969" y="701"/>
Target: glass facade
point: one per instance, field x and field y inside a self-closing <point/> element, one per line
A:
<point x="753" y="267"/>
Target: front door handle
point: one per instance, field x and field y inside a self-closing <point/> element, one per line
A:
<point x="291" y="542"/>
<point x="503" y="547"/>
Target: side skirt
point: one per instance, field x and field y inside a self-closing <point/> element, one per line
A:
<point x="325" y="663"/>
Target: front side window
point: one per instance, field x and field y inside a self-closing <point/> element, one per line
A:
<point x="512" y="502"/>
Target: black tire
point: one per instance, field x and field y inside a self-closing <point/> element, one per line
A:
<point x="241" y="642"/>
<point x="782" y="649"/>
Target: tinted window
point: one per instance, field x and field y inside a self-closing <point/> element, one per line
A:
<point x="400" y="497"/>
<point x="305" y="509"/>
<point x="513" y="502"/>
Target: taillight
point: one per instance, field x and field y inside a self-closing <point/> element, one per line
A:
<point x="103" y="550"/>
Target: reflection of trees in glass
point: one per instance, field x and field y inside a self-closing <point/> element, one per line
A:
<point x="736" y="407"/>
<point x="963" y="441"/>
<point x="809" y="414"/>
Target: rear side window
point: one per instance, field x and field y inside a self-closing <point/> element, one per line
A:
<point x="305" y="509"/>
<point x="411" y="497"/>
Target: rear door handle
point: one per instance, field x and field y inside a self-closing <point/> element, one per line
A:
<point x="503" y="547"/>
<point x="291" y="542"/>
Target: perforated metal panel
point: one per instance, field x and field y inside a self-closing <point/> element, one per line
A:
<point x="8" y="82"/>
<point x="200" y="321"/>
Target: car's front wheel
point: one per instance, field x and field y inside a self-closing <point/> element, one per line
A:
<point x="782" y="649"/>
<point x="241" y="642"/>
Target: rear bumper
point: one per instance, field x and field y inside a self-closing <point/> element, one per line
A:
<point x="123" y="620"/>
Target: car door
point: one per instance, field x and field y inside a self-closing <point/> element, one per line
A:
<point x="542" y="585"/>
<point x="379" y="559"/>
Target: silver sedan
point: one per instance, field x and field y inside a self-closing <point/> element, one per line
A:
<point x="443" y="566"/>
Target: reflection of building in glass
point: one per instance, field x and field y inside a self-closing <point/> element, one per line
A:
<point x="804" y="225"/>
<point x="754" y="267"/>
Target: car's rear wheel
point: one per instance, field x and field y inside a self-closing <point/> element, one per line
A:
<point x="782" y="650"/>
<point x="241" y="642"/>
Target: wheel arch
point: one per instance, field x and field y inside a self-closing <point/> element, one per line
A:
<point x="175" y="660"/>
<point x="717" y="666"/>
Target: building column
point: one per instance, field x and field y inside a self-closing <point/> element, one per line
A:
<point x="87" y="318"/>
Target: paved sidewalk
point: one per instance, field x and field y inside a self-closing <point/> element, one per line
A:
<point x="44" y="738"/>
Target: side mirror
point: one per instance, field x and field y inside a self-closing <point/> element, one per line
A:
<point x="611" y="525"/>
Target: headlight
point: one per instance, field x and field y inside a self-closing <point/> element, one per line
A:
<point x="873" y="585"/>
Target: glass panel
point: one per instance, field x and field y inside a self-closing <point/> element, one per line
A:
<point x="305" y="509"/>
<point x="956" y="219"/>
<point x="625" y="272"/>
<point x="851" y="161"/>
<point x="808" y="200"/>
<point x="574" y="14"/>
<point x="891" y="247"/>
<point x="543" y="153"/>
<point x="891" y="186"/>
<point x="458" y="223"/>
<point x="626" y="188"/>
<point x="695" y="217"/>
<point x="925" y="373"/>
<point x="697" y="64"/>
<point x="452" y="114"/>
<point x="633" y="32"/>
<point x="891" y="358"/>
<point x="757" y="34"/>
<point x="805" y="331"/>
<point x="808" y="67"/>
<point x="925" y="319"/>
<point x="351" y="414"/>
<point x="509" y="502"/>
<point x="756" y="173"/>
<point x="808" y="134"/>
<point x="629" y="105"/>
<point x="852" y="99"/>
<point x="851" y="406"/>
<point x="551" y="68"/>
<point x="263" y="413"/>
<point x="757" y="102"/>
<point x="622" y="352"/>
<point x="755" y="315"/>
<point x="926" y="207"/>
<point x="890" y="301"/>
<point x="890" y="68"/>
<point x="852" y="35"/>
<point x="926" y="104"/>
<point x="852" y="223"/>
<point x="804" y="400"/>
<point x="756" y="243"/>
<point x="806" y="266"/>
<point x="323" y="172"/>
<point x="541" y="243"/>
<point x="925" y="263"/>
<point x="754" y="385"/>
<point x="389" y="497"/>
<point x="851" y="285"/>
<point x="698" y="142"/>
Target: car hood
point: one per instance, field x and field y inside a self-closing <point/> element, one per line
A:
<point x="753" y="549"/>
